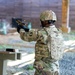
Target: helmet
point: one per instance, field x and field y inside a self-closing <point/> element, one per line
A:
<point x="48" y="15"/>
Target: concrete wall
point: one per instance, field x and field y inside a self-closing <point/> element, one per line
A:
<point x="31" y="9"/>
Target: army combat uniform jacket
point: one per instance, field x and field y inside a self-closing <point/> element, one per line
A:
<point x="43" y="58"/>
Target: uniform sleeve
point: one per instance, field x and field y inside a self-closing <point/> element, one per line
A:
<point x="28" y="36"/>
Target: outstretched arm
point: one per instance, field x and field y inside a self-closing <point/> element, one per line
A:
<point x="28" y="36"/>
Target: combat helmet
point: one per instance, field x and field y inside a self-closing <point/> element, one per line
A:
<point x="48" y="15"/>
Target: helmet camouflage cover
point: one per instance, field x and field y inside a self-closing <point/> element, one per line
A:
<point x="48" y="15"/>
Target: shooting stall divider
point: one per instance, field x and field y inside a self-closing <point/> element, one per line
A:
<point x="4" y="57"/>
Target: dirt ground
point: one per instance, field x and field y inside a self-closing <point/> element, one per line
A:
<point x="67" y="63"/>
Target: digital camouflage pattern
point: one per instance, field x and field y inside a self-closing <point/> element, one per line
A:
<point x="48" y="15"/>
<point x="55" y="42"/>
<point x="44" y="64"/>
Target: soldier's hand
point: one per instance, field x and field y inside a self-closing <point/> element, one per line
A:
<point x="22" y="27"/>
<point x="38" y="65"/>
<point x="18" y="28"/>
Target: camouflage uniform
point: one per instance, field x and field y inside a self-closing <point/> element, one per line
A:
<point x="44" y="64"/>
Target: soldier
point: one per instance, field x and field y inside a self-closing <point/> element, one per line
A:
<point x="44" y="64"/>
